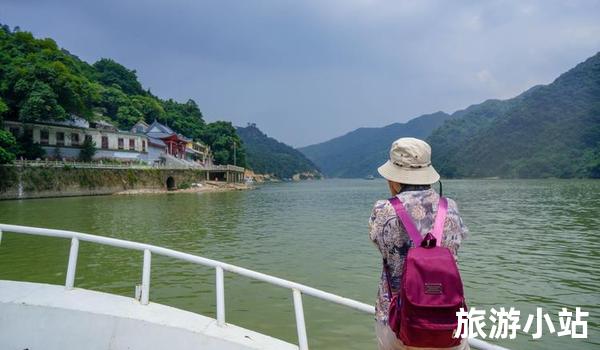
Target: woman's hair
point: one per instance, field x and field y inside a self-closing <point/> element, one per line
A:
<point x="405" y="187"/>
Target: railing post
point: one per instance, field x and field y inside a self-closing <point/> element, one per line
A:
<point x="72" y="263"/>
<point x="146" y="278"/>
<point x="220" y="291"/>
<point x="300" y="325"/>
<point x="0" y="237"/>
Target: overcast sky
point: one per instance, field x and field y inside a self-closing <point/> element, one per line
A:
<point x="307" y="71"/>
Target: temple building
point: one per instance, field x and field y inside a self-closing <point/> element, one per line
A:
<point x="165" y="144"/>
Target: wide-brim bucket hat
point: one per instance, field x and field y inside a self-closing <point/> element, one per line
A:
<point x="410" y="163"/>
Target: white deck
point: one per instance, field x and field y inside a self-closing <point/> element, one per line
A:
<point x="42" y="316"/>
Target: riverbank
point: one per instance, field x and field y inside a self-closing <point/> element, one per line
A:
<point x="24" y="182"/>
<point x="208" y="186"/>
<point x="266" y="178"/>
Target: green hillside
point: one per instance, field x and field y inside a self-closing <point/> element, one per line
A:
<point x="265" y="155"/>
<point x="548" y="131"/>
<point x="40" y="81"/>
<point x="360" y="152"/>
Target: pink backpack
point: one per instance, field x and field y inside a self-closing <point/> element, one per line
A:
<point x="423" y="312"/>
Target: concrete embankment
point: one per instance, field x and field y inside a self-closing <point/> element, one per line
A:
<point x="208" y="186"/>
<point x="21" y="182"/>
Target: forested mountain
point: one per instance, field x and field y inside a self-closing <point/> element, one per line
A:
<point x="360" y="152"/>
<point x="265" y="155"/>
<point x="40" y="81"/>
<point x="548" y="131"/>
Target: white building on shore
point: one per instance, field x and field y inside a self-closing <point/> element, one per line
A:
<point x="65" y="139"/>
<point x="153" y="144"/>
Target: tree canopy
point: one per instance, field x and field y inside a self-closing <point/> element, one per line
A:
<point x="548" y="131"/>
<point x="109" y="72"/>
<point x="227" y="146"/>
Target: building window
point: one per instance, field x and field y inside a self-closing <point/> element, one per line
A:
<point x="120" y="143"/>
<point x="74" y="139"/>
<point x="60" y="138"/>
<point x="131" y="144"/>
<point x="143" y="145"/>
<point x="105" y="142"/>
<point x="15" y="132"/>
<point x="44" y="136"/>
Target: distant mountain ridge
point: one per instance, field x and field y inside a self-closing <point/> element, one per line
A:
<point x="359" y="153"/>
<point x="547" y="131"/>
<point x="266" y="155"/>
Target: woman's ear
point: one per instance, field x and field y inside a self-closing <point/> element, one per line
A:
<point x="394" y="187"/>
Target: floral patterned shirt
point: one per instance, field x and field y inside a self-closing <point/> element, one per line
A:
<point x="390" y="237"/>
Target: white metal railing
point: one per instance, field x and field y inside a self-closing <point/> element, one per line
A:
<point x="297" y="288"/>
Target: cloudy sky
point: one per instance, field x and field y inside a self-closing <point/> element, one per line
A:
<point x="307" y="71"/>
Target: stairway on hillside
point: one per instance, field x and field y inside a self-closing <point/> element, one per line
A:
<point x="174" y="162"/>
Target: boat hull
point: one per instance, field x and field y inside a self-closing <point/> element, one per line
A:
<point x="43" y="316"/>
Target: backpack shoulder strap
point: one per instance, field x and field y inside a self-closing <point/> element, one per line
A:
<point x="411" y="229"/>
<point x="440" y="218"/>
<point x="409" y="225"/>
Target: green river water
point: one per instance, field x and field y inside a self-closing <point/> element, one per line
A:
<point x="532" y="243"/>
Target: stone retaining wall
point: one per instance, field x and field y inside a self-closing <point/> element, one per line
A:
<point x="20" y="182"/>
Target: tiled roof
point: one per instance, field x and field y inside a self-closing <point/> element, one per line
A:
<point x="155" y="141"/>
<point x="158" y="130"/>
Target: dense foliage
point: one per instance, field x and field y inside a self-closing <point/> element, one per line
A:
<point x="8" y="147"/>
<point x="226" y="144"/>
<point x="109" y="72"/>
<point x="269" y="156"/>
<point x="8" y="144"/>
<point x="548" y="131"/>
<point x="40" y="81"/>
<point x="359" y="153"/>
<point x="88" y="150"/>
<point x="27" y="148"/>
